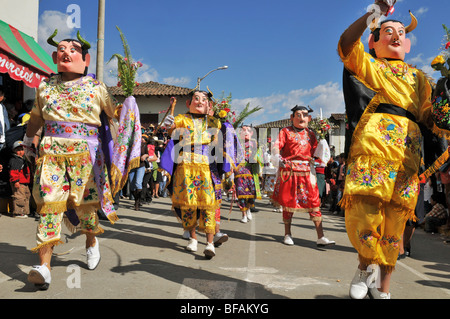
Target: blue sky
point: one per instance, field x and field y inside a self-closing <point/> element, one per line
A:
<point x="279" y="53"/>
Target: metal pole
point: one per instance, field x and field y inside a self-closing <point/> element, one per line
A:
<point x="100" y="39"/>
<point x="201" y="79"/>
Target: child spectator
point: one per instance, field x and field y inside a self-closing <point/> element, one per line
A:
<point x="20" y="178"/>
<point x="438" y="214"/>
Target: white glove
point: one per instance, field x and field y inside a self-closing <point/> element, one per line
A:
<point x="386" y="6"/>
<point x="168" y="121"/>
<point x="30" y="150"/>
<point x="390" y="2"/>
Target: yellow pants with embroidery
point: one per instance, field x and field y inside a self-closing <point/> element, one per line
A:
<point x="375" y="231"/>
<point x="61" y="183"/>
<point x="204" y="219"/>
<point x="194" y="197"/>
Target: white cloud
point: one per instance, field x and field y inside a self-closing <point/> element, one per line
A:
<point x="144" y="74"/>
<point x="48" y="22"/>
<point x="183" y="81"/>
<point x="416" y="60"/>
<point x="424" y="64"/>
<point x="421" y="11"/>
<point x="328" y="97"/>
<point x="51" y="20"/>
<point x="413" y="39"/>
<point x="147" y="73"/>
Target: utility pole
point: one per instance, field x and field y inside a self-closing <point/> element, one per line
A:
<point x="100" y="39"/>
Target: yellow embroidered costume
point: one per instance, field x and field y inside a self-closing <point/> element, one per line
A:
<point x="383" y="159"/>
<point x="193" y="192"/>
<point x="70" y="115"/>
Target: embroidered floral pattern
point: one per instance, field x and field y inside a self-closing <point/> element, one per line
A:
<point x="390" y="242"/>
<point x="377" y="174"/>
<point x="88" y="222"/>
<point x="406" y="186"/>
<point x="441" y="110"/>
<point x="366" y="239"/>
<point x="302" y="138"/>
<point x="187" y="217"/>
<point x="393" y="134"/>
<point x="69" y="99"/>
<point x="50" y="225"/>
<point x="57" y="147"/>
<point x="302" y="194"/>
<point x="79" y="129"/>
<point x="63" y="175"/>
<point x="244" y="183"/>
<point x="397" y="70"/>
<point x="195" y="183"/>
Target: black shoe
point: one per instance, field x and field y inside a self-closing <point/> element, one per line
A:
<point x="254" y="210"/>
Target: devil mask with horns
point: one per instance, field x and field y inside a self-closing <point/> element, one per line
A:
<point x="71" y="55"/>
<point x="388" y="40"/>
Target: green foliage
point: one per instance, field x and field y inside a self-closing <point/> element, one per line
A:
<point x="126" y="68"/>
<point x="246" y="112"/>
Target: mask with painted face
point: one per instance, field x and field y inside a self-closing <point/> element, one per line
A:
<point x="300" y="116"/>
<point x="71" y="55"/>
<point x="199" y="103"/>
<point x="388" y="40"/>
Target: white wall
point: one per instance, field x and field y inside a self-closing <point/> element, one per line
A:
<point x="21" y="14"/>
<point x="155" y="104"/>
<point x="337" y="138"/>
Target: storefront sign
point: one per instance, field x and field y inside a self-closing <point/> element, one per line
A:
<point x="19" y="72"/>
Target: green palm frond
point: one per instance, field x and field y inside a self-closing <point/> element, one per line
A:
<point x="244" y="114"/>
<point x="126" y="68"/>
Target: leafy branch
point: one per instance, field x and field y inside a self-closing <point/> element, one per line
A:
<point x="126" y="68"/>
<point x="244" y="114"/>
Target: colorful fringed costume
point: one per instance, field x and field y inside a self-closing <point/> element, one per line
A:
<point x="387" y="105"/>
<point x="296" y="186"/>
<point x="195" y="178"/>
<point x="246" y="175"/>
<point x="72" y="174"/>
<point x="233" y="154"/>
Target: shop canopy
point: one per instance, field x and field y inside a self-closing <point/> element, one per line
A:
<point x="22" y="58"/>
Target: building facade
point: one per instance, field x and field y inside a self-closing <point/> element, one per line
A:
<point x="153" y="100"/>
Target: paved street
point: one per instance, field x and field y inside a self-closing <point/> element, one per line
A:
<point x="143" y="256"/>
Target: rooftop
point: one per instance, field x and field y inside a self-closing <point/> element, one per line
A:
<point x="152" y="88"/>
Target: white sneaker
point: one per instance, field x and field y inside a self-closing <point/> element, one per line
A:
<point x="209" y="251"/>
<point x="325" y="241"/>
<point x="219" y="239"/>
<point x="244" y="219"/>
<point x="40" y="276"/>
<point x="186" y="235"/>
<point x="93" y="255"/>
<point x="249" y="215"/>
<point x="359" y="286"/>
<point x="374" y="293"/>
<point x="192" y="246"/>
<point x="288" y="240"/>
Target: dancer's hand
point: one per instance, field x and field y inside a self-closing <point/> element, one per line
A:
<point x="385" y="5"/>
<point x="168" y="121"/>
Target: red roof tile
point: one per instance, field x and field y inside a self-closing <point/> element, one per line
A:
<point x="152" y="88"/>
